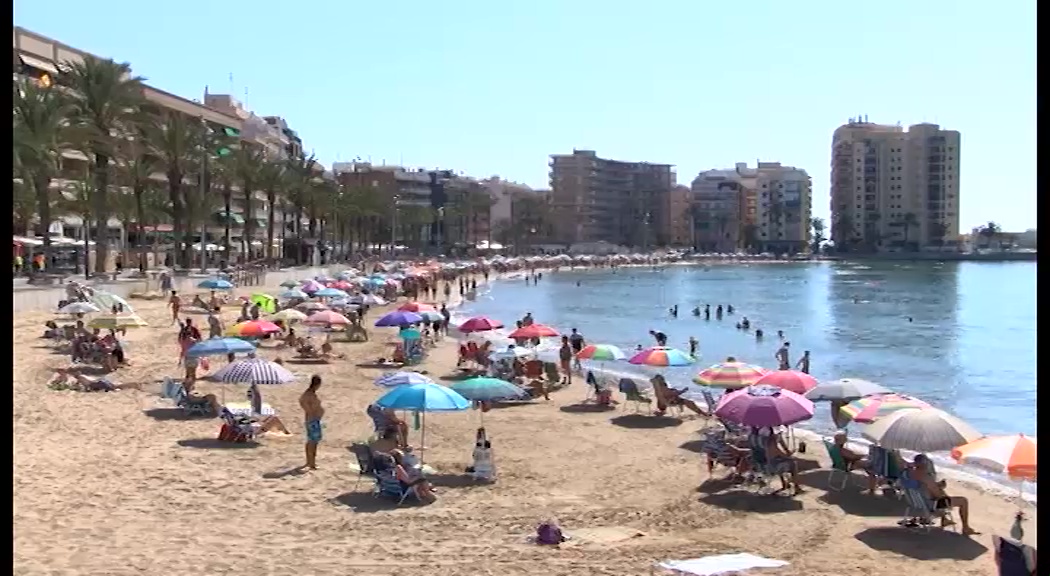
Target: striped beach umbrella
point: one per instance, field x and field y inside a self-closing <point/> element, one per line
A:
<point x="793" y="380"/>
<point x="662" y="356"/>
<point x="870" y="408"/>
<point x="253" y="329"/>
<point x="601" y="353"/>
<point x="920" y="430"/>
<point x="253" y="371"/>
<point x="731" y="375"/>
<point x="1013" y="455"/>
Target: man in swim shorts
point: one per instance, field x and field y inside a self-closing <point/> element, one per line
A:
<point x="313" y="412"/>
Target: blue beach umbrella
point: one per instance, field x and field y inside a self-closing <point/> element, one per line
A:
<point x="401" y="378"/>
<point x="399" y="318"/>
<point x="484" y="389"/>
<point x="215" y="284"/>
<point x="423" y="398"/>
<point x="219" y="347"/>
<point x="330" y="293"/>
<point x="431" y="316"/>
<point x="293" y="294"/>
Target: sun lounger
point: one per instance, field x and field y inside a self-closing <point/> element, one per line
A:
<point x="631" y="393"/>
<point x="1013" y="558"/>
<point x="921" y="511"/>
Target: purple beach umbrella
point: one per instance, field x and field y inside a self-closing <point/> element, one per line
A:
<point x="764" y="406"/>
<point x="399" y="318"/>
<point x="311" y="286"/>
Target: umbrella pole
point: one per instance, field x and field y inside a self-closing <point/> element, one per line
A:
<point x="423" y="438"/>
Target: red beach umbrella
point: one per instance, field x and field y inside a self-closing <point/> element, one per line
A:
<point x="480" y="324"/>
<point x="416" y="307"/>
<point x="793" y="380"/>
<point x="534" y="331"/>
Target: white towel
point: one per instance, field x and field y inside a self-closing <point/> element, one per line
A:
<point x="721" y="564"/>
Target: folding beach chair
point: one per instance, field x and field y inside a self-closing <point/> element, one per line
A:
<point x="839" y="467"/>
<point x="919" y="507"/>
<point x="1013" y="558"/>
<point x="234" y="430"/>
<point x="191" y="408"/>
<point x="365" y="461"/>
<point x="387" y="485"/>
<point x="631" y="393"/>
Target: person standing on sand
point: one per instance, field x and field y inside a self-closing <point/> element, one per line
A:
<point x="782" y="357"/>
<point x="174" y="303"/>
<point x="576" y="341"/>
<point x="565" y="356"/>
<point x="312" y="413"/>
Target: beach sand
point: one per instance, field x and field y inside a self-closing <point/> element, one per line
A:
<point x="119" y="483"/>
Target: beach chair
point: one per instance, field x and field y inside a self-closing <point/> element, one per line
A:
<point x="365" y="461"/>
<point x="181" y="400"/>
<point x="631" y="393"/>
<point x="1013" y="558"/>
<point x="839" y="468"/>
<point x="886" y="466"/>
<point x="234" y="430"/>
<point x="387" y="485"/>
<point x="715" y="446"/>
<point x="919" y="507"/>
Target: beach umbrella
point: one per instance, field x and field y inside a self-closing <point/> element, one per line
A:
<point x="869" y="409"/>
<point x="117" y="322"/>
<point x="311" y="286"/>
<point x="289" y="316"/>
<point x="253" y="329"/>
<point x="310" y="307"/>
<point x="764" y="406"/>
<point x="920" y="430"/>
<point x="289" y="284"/>
<point x="1013" y="455"/>
<point x="330" y="293"/>
<point x="480" y="324"/>
<point x="253" y="371"/>
<point x="372" y="300"/>
<point x="293" y="294"/>
<point x="219" y="347"/>
<point x="431" y="315"/>
<point x="485" y="389"/>
<point x="327" y="318"/>
<point x="730" y="374"/>
<point x="215" y="284"/>
<point x="402" y="378"/>
<point x="340" y="285"/>
<point x="793" y="380"/>
<point x="107" y="300"/>
<point x="601" y="353"/>
<point x="845" y="389"/>
<point x="534" y="331"/>
<point x="399" y="318"/>
<point x="79" y="308"/>
<point x="266" y="302"/>
<point x="423" y="398"/>
<point x="511" y="352"/>
<point x="661" y="356"/>
<point x="416" y="307"/>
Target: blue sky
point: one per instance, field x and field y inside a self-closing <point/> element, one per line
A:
<point x="493" y="87"/>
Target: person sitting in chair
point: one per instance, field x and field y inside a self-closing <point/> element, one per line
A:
<point x="667" y="396"/>
<point x="413" y="479"/>
<point x="920" y="472"/>
<point x="855" y="460"/>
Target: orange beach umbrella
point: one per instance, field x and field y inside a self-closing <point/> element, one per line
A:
<point x="1013" y="455"/>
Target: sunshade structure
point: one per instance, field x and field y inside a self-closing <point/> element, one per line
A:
<point x="117" y="322"/>
<point x="920" y="430"/>
<point x="399" y="318"/>
<point x="485" y="389"/>
<point x="764" y="406"/>
<point x="326" y="318"/>
<point x="289" y="284"/>
<point x="310" y="307"/>
<point x="869" y="409"/>
<point x="731" y="375"/>
<point x="1014" y="455"/>
<point x="372" y="300"/>
<point x="219" y="347"/>
<point x="793" y="380"/>
<point x="845" y="389"/>
<point x="79" y="308"/>
<point x="431" y="315"/>
<point x="402" y="378"/>
<point x="511" y="352"/>
<point x="415" y="307"/>
<point x="330" y="293"/>
<point x="215" y="284"/>
<point x="253" y="371"/>
<point x="480" y="324"/>
<point x="423" y="398"/>
<point x="289" y="316"/>
<point x="601" y="353"/>
<point x="106" y="300"/>
<point x="253" y="329"/>
<point x="311" y="286"/>
<point x="266" y="302"/>
<point x="293" y="294"/>
<point x="534" y="331"/>
<point x="661" y="356"/>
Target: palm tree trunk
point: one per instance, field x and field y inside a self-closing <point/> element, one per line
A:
<point x="100" y="207"/>
<point x="178" y="214"/>
<point x="271" y="197"/>
<point x="42" y="186"/>
<point x="227" y="205"/>
<point x="249" y="219"/>
<point x="140" y="217"/>
<point x="86" y="219"/>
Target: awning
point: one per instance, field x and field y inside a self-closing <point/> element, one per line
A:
<point x="38" y="63"/>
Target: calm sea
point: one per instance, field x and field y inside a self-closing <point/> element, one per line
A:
<point x="961" y="336"/>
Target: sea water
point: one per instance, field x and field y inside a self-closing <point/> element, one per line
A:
<point x="960" y="336"/>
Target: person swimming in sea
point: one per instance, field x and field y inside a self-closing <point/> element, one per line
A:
<point x="696" y="311"/>
<point x="745" y="323"/>
<point x="780" y="334"/>
<point x="729" y="308"/>
<point x="759" y="334"/>
<point x="718" y="312"/>
<point x="707" y="311"/>
<point x="674" y="311"/>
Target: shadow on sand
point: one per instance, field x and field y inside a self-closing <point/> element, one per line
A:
<point x="586" y="408"/>
<point x="696" y="446"/>
<point x="445" y="480"/>
<point x="644" y="421"/>
<point x="285" y="473"/>
<point x="746" y="501"/>
<point x="216" y="444"/>
<point x="167" y="414"/>
<point x="936" y="544"/>
<point x="367" y="503"/>
<point x="378" y="366"/>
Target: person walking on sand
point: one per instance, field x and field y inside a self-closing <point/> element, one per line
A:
<point x="312" y="413"/>
<point x="174" y="303"/>
<point x="782" y="356"/>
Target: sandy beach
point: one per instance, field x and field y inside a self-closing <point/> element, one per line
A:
<point x="121" y="483"/>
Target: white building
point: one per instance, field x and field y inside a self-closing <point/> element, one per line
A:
<point x="783" y="207"/>
<point x="502" y="193"/>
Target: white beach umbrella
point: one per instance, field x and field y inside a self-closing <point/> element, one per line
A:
<point x="920" y="430"/>
<point x="79" y="308"/>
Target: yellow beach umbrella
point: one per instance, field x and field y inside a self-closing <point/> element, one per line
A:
<point x="117" y="322"/>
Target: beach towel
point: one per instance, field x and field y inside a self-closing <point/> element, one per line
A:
<point x="721" y="564"/>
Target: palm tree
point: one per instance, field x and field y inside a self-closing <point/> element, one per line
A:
<point x="40" y="133"/>
<point x="248" y="160"/>
<point x="842" y="232"/>
<point x="938" y="230"/>
<point x="817" y="224"/>
<point x="78" y="200"/>
<point x="908" y="221"/>
<point x="106" y="99"/>
<point x="177" y="140"/>
<point x="871" y="231"/>
<point x="138" y="162"/>
<point x="272" y="177"/>
<point x="722" y="222"/>
<point x="990" y="232"/>
<point x="23" y="207"/>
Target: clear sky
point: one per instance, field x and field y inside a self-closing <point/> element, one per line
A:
<point x="495" y="86"/>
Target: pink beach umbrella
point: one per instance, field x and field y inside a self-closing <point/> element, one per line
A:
<point x="326" y="318"/>
<point x="793" y="380"/>
<point x="311" y="286"/>
<point x="480" y="324"/>
<point x="764" y="406"/>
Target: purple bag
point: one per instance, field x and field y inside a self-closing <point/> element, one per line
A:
<point x="549" y="533"/>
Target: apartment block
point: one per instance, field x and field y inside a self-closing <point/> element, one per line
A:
<point x="723" y="208"/>
<point x="594" y="199"/>
<point x="679" y="223"/>
<point x="894" y="189"/>
<point x="783" y="207"/>
<point x="503" y="192"/>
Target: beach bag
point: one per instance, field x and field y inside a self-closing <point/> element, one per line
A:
<point x="549" y="533"/>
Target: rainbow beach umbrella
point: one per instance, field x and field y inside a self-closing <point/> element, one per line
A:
<point x="870" y="408"/>
<point x="662" y="356"/>
<point x="731" y="375"/>
<point x="1013" y="455"/>
<point x="601" y="353"/>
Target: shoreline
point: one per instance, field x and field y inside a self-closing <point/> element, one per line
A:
<point x="979" y="479"/>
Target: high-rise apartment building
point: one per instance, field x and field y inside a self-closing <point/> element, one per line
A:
<point x="783" y="207"/>
<point x="723" y="206"/>
<point x="894" y="189"/>
<point x="594" y="199"/>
